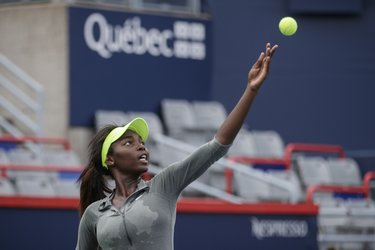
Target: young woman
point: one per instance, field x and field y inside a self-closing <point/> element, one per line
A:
<point x="141" y="214"/>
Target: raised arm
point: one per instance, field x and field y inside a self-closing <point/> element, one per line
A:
<point x="257" y="75"/>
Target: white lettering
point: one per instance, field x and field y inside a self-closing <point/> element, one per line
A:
<point x="186" y="42"/>
<point x="165" y="51"/>
<point x="153" y="42"/>
<point x="278" y="228"/>
<point x="98" y="46"/>
<point x="113" y="38"/>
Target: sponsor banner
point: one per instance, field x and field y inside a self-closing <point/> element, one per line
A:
<point x="131" y="61"/>
<point x="238" y="231"/>
<point x="186" y="39"/>
<point x="278" y="228"/>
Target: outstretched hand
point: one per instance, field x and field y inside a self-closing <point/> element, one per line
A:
<point x="261" y="69"/>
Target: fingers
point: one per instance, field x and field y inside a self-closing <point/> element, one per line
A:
<point x="259" y="61"/>
<point x="269" y="51"/>
<point x="273" y="50"/>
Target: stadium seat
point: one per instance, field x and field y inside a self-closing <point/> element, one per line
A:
<point x="362" y="213"/>
<point x="344" y="172"/>
<point x="209" y="115"/>
<point x="313" y="170"/>
<point x="290" y="176"/>
<point x="154" y="123"/>
<point x="6" y="187"/>
<point x="179" y="119"/>
<point x="169" y="155"/>
<point x="332" y="214"/>
<point x="27" y="158"/>
<point x="24" y="156"/>
<point x="215" y="177"/>
<point x="268" y="144"/>
<point x="35" y="187"/>
<point x="104" y="117"/>
<point x="3" y="156"/>
<point x="67" y="188"/>
<point x="251" y="189"/>
<point x="177" y="114"/>
<point x="243" y="145"/>
<point x="61" y="158"/>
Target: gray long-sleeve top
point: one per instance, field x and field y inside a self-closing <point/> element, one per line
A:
<point x="146" y="219"/>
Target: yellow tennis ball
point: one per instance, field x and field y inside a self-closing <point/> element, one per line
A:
<point x="288" y="26"/>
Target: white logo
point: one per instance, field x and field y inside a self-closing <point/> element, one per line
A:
<point x="185" y="41"/>
<point x="278" y="228"/>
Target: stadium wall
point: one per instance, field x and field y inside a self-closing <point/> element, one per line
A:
<point x="35" y="37"/>
<point x="321" y="85"/>
<point x="319" y="91"/>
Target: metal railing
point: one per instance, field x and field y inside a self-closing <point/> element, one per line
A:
<point x="37" y="106"/>
<point x="241" y="168"/>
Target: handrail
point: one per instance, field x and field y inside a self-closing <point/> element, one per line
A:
<point x="36" y="139"/>
<point x="256" y="160"/>
<point x="366" y="182"/>
<point x="243" y="169"/>
<point x="315" y="148"/>
<point x="4" y="167"/>
<point x="364" y="189"/>
<point x="37" y="106"/>
<point x="330" y="188"/>
<point x="215" y="192"/>
<point x="247" y="160"/>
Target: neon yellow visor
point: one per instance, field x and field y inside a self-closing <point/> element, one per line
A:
<point x="138" y="125"/>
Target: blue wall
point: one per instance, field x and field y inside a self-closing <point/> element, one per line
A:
<point x="322" y="82"/>
<point x="320" y="89"/>
<point x="133" y="78"/>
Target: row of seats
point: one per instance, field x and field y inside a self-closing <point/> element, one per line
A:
<point x="33" y="157"/>
<point x="332" y="171"/>
<point x="39" y="183"/>
<point x="195" y="123"/>
<point x="39" y="187"/>
<point x="307" y="171"/>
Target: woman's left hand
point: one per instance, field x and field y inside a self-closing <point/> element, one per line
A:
<point x="261" y="68"/>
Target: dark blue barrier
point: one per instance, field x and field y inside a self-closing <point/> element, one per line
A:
<point x="42" y="223"/>
<point x="245" y="231"/>
<point x="23" y="228"/>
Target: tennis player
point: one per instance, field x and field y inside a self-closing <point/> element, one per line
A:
<point x="140" y="214"/>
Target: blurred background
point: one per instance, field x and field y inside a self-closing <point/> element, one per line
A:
<point x="68" y="67"/>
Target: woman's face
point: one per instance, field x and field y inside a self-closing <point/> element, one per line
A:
<point x="130" y="155"/>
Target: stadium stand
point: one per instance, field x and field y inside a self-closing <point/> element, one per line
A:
<point x="345" y="213"/>
<point x="49" y="172"/>
<point x="334" y="183"/>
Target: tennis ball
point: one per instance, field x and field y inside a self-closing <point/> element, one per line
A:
<point x="288" y="26"/>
